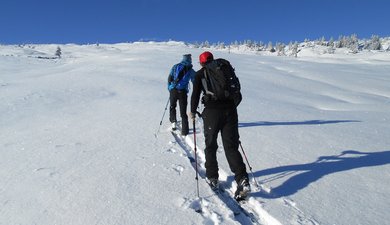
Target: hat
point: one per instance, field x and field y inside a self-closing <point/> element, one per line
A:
<point x="187" y="58"/>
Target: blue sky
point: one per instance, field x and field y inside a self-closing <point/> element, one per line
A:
<point x="113" y="21"/>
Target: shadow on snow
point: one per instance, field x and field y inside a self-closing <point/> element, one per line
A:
<point x="311" y="172"/>
<point x="307" y="122"/>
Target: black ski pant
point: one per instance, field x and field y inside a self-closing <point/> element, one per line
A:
<point x="181" y="96"/>
<point x="224" y="121"/>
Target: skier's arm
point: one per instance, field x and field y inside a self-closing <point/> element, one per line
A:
<point x="197" y="89"/>
<point x="170" y="79"/>
<point x="170" y="76"/>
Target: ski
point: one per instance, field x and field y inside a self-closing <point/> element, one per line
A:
<point x="229" y="202"/>
<point x="179" y="140"/>
<point x="237" y="207"/>
<point x="240" y="206"/>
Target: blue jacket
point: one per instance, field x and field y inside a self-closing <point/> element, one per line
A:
<point x="183" y="83"/>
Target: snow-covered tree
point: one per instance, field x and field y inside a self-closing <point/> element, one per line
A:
<point x="270" y="47"/>
<point x="261" y="46"/>
<point x="294" y="49"/>
<point x="331" y="42"/>
<point x="205" y="44"/>
<point x="220" y="45"/>
<point x="354" y="47"/>
<point x="58" y="52"/>
<point x="280" y="49"/>
<point x="322" y="41"/>
<point x="375" y="43"/>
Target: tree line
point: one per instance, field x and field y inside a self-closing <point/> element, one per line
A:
<point x="352" y="42"/>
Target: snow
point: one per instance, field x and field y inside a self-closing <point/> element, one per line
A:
<point x="78" y="144"/>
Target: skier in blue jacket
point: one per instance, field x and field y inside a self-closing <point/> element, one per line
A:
<point x="178" y="79"/>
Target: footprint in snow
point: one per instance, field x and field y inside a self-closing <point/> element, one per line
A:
<point x="195" y="204"/>
<point x="178" y="168"/>
<point x="202" y="205"/>
<point x="171" y="150"/>
<point x="47" y="171"/>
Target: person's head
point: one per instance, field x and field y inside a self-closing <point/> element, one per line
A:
<point x="187" y="59"/>
<point x="205" y="58"/>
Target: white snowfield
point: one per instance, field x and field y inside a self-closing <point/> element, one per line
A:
<point x="78" y="144"/>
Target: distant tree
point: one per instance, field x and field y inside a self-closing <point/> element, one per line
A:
<point x="307" y="42"/>
<point x="353" y="43"/>
<point x="354" y="40"/>
<point x="331" y="46"/>
<point x="331" y="42"/>
<point x="205" y="44"/>
<point x="248" y="43"/>
<point x="354" y="47"/>
<point x="322" y="41"/>
<point x="341" y="42"/>
<point x="270" y="47"/>
<point x="294" y="49"/>
<point x="375" y="43"/>
<point x="290" y="45"/>
<point x="261" y="46"/>
<point x="221" y="45"/>
<point x="280" y="49"/>
<point x="58" y="52"/>
<point x="196" y="45"/>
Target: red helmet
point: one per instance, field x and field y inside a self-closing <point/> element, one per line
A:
<point x="205" y="57"/>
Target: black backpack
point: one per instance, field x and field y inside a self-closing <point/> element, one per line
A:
<point x="221" y="82"/>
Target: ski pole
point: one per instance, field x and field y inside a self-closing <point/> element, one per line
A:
<point x="166" y="106"/>
<point x="250" y="168"/>
<point x="196" y="159"/>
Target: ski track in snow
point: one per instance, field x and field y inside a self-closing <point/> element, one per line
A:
<point x="213" y="211"/>
<point x="209" y="211"/>
<point x="209" y="205"/>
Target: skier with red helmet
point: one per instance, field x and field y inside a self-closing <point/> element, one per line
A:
<point x="219" y="116"/>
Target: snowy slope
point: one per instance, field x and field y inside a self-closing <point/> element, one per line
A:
<point x="78" y="145"/>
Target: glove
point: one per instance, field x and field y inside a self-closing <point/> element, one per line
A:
<point x="192" y="115"/>
<point x="171" y="86"/>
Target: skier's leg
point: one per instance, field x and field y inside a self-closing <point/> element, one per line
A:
<point x="211" y="129"/>
<point x="172" y="107"/>
<point x="183" y="112"/>
<point x="230" y="138"/>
